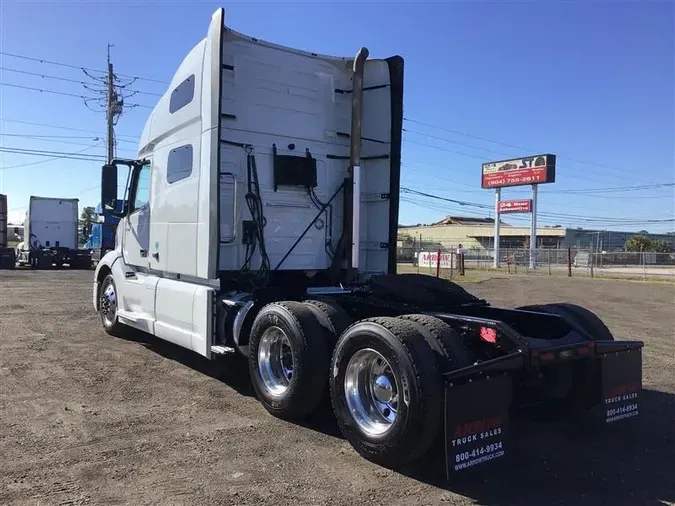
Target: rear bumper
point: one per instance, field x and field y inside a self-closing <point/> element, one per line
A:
<point x="479" y="399"/>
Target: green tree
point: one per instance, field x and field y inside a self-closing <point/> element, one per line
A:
<point x="662" y="246"/>
<point x="638" y="243"/>
<point x="87" y="217"/>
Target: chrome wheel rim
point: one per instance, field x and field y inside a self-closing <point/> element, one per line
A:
<point x="108" y="304"/>
<point x="275" y="361"/>
<point x="371" y="391"/>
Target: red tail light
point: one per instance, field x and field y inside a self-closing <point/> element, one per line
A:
<point x="488" y="335"/>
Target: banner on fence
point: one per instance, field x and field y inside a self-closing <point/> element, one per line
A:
<point x="430" y="259"/>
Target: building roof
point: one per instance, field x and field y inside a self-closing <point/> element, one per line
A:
<point x="464" y="220"/>
<point x="457" y="220"/>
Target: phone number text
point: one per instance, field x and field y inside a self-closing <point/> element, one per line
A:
<point x="478" y="452"/>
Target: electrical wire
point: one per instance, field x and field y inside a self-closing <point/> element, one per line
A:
<point x="61" y="127"/>
<point x="571" y="222"/>
<point x="590" y="192"/>
<point x="68" y="65"/>
<point x="513" y="146"/>
<point x="547" y="214"/>
<point x="255" y="207"/>
<point x="30" y="88"/>
<point x="329" y="220"/>
<point x="65" y="79"/>
<point x="53" y="155"/>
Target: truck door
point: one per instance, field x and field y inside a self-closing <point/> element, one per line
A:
<point x="136" y="239"/>
<point x="138" y="296"/>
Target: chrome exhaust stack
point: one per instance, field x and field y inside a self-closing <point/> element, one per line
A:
<point x="355" y="154"/>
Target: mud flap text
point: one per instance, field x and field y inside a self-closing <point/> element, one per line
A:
<point x="621" y="384"/>
<point x="476" y="422"/>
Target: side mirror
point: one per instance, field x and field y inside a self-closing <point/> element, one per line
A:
<point x="109" y="189"/>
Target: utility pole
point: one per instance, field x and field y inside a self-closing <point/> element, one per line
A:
<point x="113" y="108"/>
<point x="110" y="138"/>
<point x="111" y="101"/>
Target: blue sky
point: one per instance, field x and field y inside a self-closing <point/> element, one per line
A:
<point x="592" y="82"/>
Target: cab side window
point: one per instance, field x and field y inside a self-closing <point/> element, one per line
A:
<point x="142" y="188"/>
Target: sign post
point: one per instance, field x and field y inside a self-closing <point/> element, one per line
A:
<point x="533" y="229"/>
<point x="531" y="170"/>
<point x="495" y="262"/>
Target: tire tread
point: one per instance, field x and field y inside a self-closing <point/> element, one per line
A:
<point x="314" y="338"/>
<point x="451" y="351"/>
<point x="429" y="392"/>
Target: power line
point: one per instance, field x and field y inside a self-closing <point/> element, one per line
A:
<point x="547" y="214"/>
<point x="485" y="159"/>
<point x="61" y="127"/>
<point x="502" y="153"/>
<point x="513" y="146"/>
<point x="457" y="142"/>
<point x="589" y="192"/>
<point x="47" y="152"/>
<point x="39" y="136"/>
<point x="59" y="141"/>
<point x="57" y="78"/>
<point x="68" y="65"/>
<point x="64" y="94"/>
<point x="618" y="189"/>
<point x="572" y="223"/>
<point x="53" y="155"/>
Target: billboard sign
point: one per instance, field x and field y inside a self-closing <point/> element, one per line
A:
<point x="515" y="206"/>
<point x="538" y="169"/>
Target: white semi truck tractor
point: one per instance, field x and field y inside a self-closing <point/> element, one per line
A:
<point x="260" y="218"/>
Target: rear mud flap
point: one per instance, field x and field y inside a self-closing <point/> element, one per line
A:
<point x="476" y="422"/>
<point x="621" y="383"/>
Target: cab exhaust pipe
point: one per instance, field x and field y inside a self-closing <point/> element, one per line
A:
<point x="355" y="153"/>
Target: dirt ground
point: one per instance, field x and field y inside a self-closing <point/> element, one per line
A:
<point x="88" y="419"/>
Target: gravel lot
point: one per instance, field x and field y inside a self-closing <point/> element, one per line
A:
<point x="88" y="419"/>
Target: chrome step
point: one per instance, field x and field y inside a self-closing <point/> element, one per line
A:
<point x="221" y="350"/>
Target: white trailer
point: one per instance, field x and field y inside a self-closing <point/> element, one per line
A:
<point x="51" y="231"/>
<point x="261" y="217"/>
<point x="7" y="255"/>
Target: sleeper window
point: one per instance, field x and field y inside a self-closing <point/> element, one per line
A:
<point x="182" y="95"/>
<point x="179" y="165"/>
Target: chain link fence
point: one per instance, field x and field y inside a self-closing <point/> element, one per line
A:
<point x="546" y="262"/>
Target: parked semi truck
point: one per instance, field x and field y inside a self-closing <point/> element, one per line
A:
<point x="7" y="255"/>
<point x="262" y="219"/>
<point x="102" y="237"/>
<point x="51" y="231"/>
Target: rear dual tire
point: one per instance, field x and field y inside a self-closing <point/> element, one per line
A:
<point x="387" y="385"/>
<point x="386" y="390"/>
<point x="583" y="318"/>
<point x="580" y="381"/>
<point x="384" y="375"/>
<point x="289" y="354"/>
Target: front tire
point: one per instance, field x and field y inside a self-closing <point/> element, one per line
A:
<point x="386" y="390"/>
<point x="107" y="307"/>
<point x="288" y="359"/>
